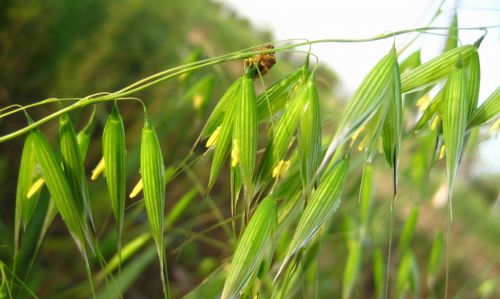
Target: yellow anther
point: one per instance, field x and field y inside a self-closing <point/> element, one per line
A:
<point x="98" y="170"/>
<point x="495" y="126"/>
<point x="435" y="122"/>
<point x="423" y="102"/>
<point x="197" y="101"/>
<point x="137" y="189"/>
<point x="37" y="186"/>
<point x="213" y="138"/>
<point x="442" y="152"/>
<point x="235" y="153"/>
<point x="281" y="168"/>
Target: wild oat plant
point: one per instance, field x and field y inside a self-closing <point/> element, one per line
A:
<point x="288" y="169"/>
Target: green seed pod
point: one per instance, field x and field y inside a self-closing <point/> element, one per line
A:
<point x="25" y="204"/>
<point x="73" y="165"/>
<point x="309" y="134"/>
<point x="251" y="249"/>
<point x="114" y="151"/>
<point x="488" y="110"/>
<point x="454" y="115"/>
<point x="319" y="208"/>
<point x="275" y="96"/>
<point x="245" y="132"/>
<point x="435" y="69"/>
<point x="60" y="190"/>
<point x="153" y="172"/>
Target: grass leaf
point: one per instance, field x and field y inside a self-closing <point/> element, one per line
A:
<point x="351" y="269"/>
<point x="408" y="230"/>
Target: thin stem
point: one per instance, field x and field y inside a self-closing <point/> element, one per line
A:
<point x="390" y="248"/>
<point x="177" y="71"/>
<point x="448" y="243"/>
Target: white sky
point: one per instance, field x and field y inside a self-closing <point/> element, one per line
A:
<point x="317" y="19"/>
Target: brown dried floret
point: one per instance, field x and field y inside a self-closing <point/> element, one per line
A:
<point x="263" y="62"/>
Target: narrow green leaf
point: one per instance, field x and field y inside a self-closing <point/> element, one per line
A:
<point x="435" y="69"/>
<point x="378" y="273"/>
<point x="251" y="248"/>
<point x="309" y="134"/>
<point x="180" y="207"/>
<point x="455" y="109"/>
<point x="127" y="252"/>
<point x="435" y="258"/>
<point x="114" y="151"/>
<point x="130" y="273"/>
<point x="245" y="133"/>
<point x="404" y="274"/>
<point x="153" y="172"/>
<point x="488" y="110"/>
<point x="408" y="230"/>
<point x="351" y="269"/>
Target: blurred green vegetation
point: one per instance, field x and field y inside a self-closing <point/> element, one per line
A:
<point x="75" y="48"/>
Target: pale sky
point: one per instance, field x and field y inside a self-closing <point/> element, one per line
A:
<point x="317" y="19"/>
